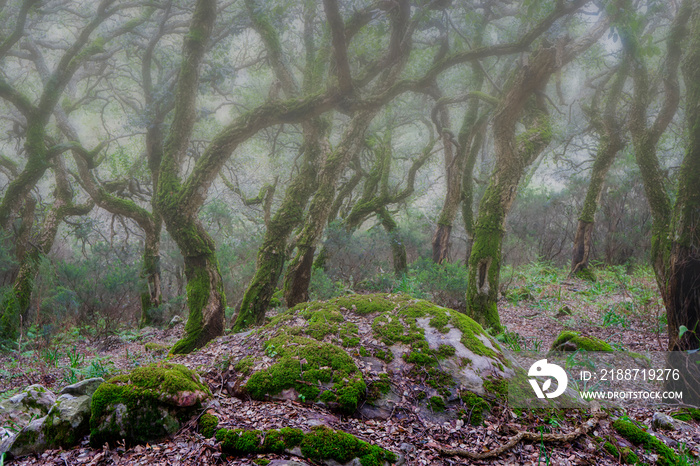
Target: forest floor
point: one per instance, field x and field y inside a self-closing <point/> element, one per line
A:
<point x="622" y="309"/>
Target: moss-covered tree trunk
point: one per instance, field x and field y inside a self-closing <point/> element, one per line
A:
<point x="609" y="129"/>
<point x="179" y="207"/>
<point x="151" y="296"/>
<point x="683" y="295"/>
<point x="17" y="302"/>
<point x="273" y="252"/>
<point x="457" y="154"/>
<point x="290" y="215"/>
<point x="522" y="101"/>
<point x="298" y="276"/>
<point x="468" y="182"/>
<point x="206" y="300"/>
<point x="668" y="254"/>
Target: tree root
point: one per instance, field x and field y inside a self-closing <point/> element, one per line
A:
<point x="583" y="429"/>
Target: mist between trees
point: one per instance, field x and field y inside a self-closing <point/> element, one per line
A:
<point x="218" y="159"/>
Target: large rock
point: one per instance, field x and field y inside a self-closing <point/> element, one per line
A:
<point x="353" y="353"/>
<point x="65" y="424"/>
<point x="147" y="404"/>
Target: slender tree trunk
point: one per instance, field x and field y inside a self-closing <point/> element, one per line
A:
<point x="610" y="131"/>
<point x="584" y="231"/>
<point x="17" y="301"/>
<point x="298" y="277"/>
<point x="398" y="249"/>
<point x="289" y="216"/>
<point x="468" y="183"/>
<point x="456" y="166"/>
<point x="151" y="296"/>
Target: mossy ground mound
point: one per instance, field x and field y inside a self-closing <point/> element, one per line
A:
<point x="146" y="404"/>
<point x="349" y="351"/>
<point x="320" y="444"/>
<point x="573" y="341"/>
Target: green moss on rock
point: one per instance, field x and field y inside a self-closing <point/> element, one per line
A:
<point x="322" y="443"/>
<point x="475" y="406"/>
<point x="146" y="404"/>
<point x="667" y="457"/>
<point x="687" y="415"/>
<point x="207" y="425"/>
<point x="436" y="403"/>
<point x="304" y="363"/>
<point x="572" y="341"/>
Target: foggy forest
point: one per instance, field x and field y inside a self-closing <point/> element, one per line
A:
<point x="350" y="232"/>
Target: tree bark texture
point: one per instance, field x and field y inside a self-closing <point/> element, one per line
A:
<point x="683" y="306"/>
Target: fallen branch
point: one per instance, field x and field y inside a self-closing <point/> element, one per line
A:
<point x="584" y="429"/>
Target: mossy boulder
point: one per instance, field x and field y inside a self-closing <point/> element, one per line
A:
<point x="64" y="426"/>
<point x="147" y="404"/>
<point x="573" y="341"/>
<point x="347" y="353"/>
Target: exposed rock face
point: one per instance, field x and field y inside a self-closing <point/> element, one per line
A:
<point x="361" y="352"/>
<point x="32" y="402"/>
<point x="149" y="403"/>
<point x="64" y="425"/>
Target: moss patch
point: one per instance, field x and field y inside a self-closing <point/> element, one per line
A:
<point x="436" y="403"/>
<point x="380" y="387"/>
<point x="572" y="341"/>
<point x="207" y="425"/>
<point x="306" y="365"/>
<point x="320" y="444"/>
<point x="475" y="406"/>
<point x="687" y="415"/>
<point x="667" y="457"/>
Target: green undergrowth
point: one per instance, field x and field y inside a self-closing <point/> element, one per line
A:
<point x="321" y="443"/>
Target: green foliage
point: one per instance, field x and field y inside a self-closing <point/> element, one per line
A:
<point x="322" y="287"/>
